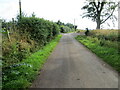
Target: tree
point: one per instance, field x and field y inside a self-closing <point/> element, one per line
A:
<point x="60" y="23"/>
<point x="99" y="11"/>
<point x="70" y="25"/>
<point x="33" y="14"/>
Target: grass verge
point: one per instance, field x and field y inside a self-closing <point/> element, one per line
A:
<point x="109" y="55"/>
<point x="22" y="74"/>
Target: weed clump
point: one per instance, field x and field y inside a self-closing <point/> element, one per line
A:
<point x="87" y="32"/>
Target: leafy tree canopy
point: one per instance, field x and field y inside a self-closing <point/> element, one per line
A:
<point x="99" y="11"/>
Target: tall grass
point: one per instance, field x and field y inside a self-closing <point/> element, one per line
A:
<point x="105" y="43"/>
<point x="22" y="74"/>
<point x="107" y="53"/>
<point x="105" y="34"/>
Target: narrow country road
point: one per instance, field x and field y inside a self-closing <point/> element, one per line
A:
<point x="71" y="65"/>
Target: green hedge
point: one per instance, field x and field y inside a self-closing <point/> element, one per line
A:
<point x="30" y="34"/>
<point x="22" y="74"/>
<point x="40" y="30"/>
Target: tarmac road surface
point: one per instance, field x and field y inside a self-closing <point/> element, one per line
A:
<point x="71" y="65"/>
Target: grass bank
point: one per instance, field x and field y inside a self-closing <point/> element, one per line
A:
<point x="107" y="52"/>
<point x="22" y="74"/>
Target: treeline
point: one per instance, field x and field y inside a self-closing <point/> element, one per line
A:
<point x="64" y="28"/>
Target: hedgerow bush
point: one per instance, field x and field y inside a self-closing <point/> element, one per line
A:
<point x="21" y="75"/>
<point x="30" y="35"/>
<point x="39" y="29"/>
<point x="65" y="29"/>
<point x="17" y="49"/>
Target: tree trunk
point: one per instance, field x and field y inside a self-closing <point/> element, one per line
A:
<point x="98" y="22"/>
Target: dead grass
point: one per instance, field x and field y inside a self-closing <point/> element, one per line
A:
<point x="105" y="31"/>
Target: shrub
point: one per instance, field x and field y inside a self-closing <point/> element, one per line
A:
<point x="21" y="75"/>
<point x="30" y="35"/>
<point x="65" y="29"/>
<point x="40" y="30"/>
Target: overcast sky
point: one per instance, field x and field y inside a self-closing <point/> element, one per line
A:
<point x="53" y="10"/>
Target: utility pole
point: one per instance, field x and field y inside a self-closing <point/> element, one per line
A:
<point x="1" y="54"/>
<point x="119" y="15"/>
<point x="13" y="24"/>
<point x="74" y="23"/>
<point x="0" y="36"/>
<point x="20" y="9"/>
